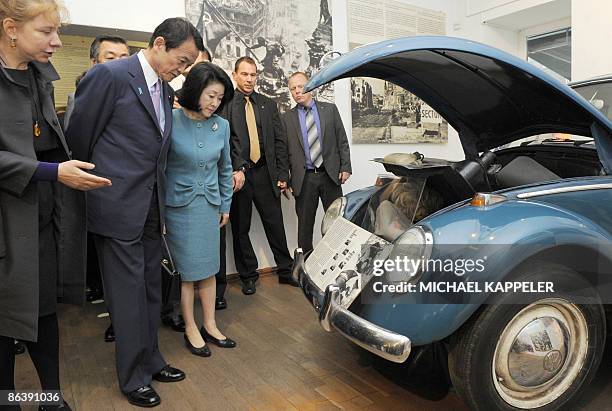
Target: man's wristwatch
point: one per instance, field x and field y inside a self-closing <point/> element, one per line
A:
<point x="242" y="168"/>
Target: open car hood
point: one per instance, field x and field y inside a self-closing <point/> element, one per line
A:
<point x="489" y="96"/>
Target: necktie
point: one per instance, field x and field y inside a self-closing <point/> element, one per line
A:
<point x="313" y="139"/>
<point x="254" y="153"/>
<point x="155" y="96"/>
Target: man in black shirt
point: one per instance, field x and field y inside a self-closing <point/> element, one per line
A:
<point x="262" y="157"/>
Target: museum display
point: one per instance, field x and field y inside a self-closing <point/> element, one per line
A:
<point x="522" y="320"/>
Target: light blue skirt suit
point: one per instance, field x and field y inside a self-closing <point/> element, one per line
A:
<point x="199" y="188"/>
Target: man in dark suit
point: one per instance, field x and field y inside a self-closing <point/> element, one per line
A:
<point x="103" y="48"/>
<point x="262" y="158"/>
<point x="319" y="155"/>
<point x="122" y="121"/>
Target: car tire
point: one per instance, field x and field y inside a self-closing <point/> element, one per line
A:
<point x="492" y="369"/>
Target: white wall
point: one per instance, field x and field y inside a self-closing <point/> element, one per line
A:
<point x="591" y="35"/>
<point x="136" y="15"/>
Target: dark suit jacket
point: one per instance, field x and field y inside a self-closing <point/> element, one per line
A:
<point x="336" y="151"/>
<point x="115" y="127"/>
<point x="273" y="134"/>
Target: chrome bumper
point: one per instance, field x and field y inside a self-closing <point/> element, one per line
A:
<point x="382" y="342"/>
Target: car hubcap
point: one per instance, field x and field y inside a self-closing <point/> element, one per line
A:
<point x="540" y="353"/>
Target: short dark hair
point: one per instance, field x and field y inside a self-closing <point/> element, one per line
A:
<point x="245" y="59"/>
<point x="201" y="76"/>
<point x="176" y="31"/>
<point x="94" y="49"/>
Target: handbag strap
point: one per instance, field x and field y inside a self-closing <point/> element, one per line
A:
<point x="172" y="268"/>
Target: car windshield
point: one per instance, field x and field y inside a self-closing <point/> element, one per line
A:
<point x="599" y="95"/>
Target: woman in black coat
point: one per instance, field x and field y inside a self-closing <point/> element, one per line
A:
<point x="41" y="218"/>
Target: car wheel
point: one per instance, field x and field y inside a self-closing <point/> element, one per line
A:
<point x="536" y="355"/>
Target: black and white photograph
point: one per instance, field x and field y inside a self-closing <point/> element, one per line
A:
<point x="384" y="113"/>
<point x="283" y="36"/>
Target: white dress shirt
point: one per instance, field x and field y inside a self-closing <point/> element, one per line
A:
<point x="151" y="78"/>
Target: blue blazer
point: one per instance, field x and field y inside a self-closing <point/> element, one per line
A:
<point x="199" y="162"/>
<point x="114" y="126"/>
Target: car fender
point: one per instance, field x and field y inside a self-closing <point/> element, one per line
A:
<point x="536" y="227"/>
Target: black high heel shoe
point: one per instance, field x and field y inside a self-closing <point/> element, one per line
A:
<point x="202" y="351"/>
<point x="226" y="343"/>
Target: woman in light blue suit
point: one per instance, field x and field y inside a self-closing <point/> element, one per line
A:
<point x="198" y="196"/>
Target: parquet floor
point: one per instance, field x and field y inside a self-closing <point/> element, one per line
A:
<point x="284" y="361"/>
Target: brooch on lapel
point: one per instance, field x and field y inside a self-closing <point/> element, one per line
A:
<point x="214" y="126"/>
<point x="140" y="91"/>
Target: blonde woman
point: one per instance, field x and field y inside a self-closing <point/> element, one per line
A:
<point x="34" y="158"/>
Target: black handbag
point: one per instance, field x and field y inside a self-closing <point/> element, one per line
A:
<point x="171" y="285"/>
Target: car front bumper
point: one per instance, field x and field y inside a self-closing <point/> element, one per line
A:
<point x="380" y="341"/>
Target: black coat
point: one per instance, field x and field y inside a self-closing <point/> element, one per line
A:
<point x="274" y="137"/>
<point x="19" y="211"/>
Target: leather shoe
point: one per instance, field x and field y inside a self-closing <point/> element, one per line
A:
<point x="202" y="351"/>
<point x="93" y="294"/>
<point x="19" y="347"/>
<point x="63" y="406"/>
<point x="248" y="287"/>
<point x="144" y="397"/>
<point x="220" y="303"/>
<point x="288" y="280"/>
<point x="226" y="343"/>
<point x="175" y="322"/>
<point x="109" y="334"/>
<point x="169" y="374"/>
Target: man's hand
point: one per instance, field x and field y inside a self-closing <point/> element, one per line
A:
<point x="283" y="188"/>
<point x="343" y="176"/>
<point x="238" y="180"/>
<point x="176" y="104"/>
<point x="223" y="219"/>
<point x="71" y="174"/>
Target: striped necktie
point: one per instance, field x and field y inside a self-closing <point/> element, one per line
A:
<point x="313" y="139"/>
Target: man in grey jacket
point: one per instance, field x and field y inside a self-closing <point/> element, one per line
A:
<point x="319" y="155"/>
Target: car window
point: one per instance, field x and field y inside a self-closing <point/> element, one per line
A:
<point x="599" y="95"/>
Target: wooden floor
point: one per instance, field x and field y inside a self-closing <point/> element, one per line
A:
<point x="284" y="361"/>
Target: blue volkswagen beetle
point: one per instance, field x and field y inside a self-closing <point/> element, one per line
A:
<point x="537" y="209"/>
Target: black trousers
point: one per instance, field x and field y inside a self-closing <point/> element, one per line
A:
<point x="132" y="284"/>
<point x="315" y="186"/>
<point x="257" y="190"/>
<point x="94" y="278"/>
<point x="44" y="354"/>
<point x="221" y="276"/>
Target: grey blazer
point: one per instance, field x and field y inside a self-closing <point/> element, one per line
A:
<point x="336" y="151"/>
<point x="19" y="267"/>
<point x="69" y="110"/>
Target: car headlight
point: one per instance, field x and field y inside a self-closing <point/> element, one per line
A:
<point x="335" y="210"/>
<point x="410" y="251"/>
